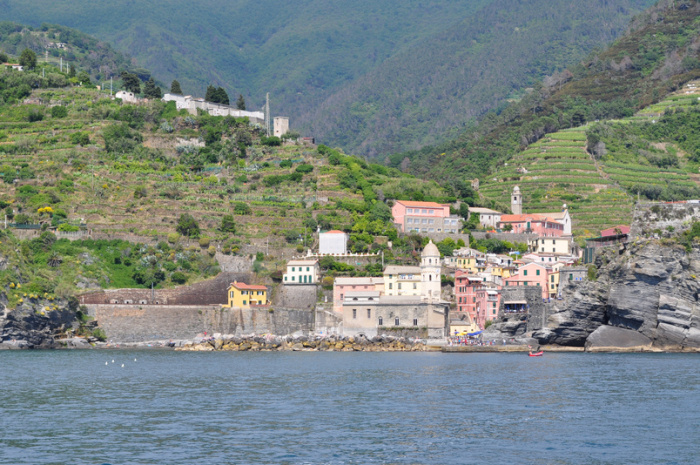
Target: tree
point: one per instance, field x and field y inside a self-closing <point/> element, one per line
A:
<point x="28" y="59"/>
<point x="151" y="90"/>
<point x="221" y="96"/>
<point x="228" y="224"/>
<point x="175" y="88"/>
<point x="83" y="77"/>
<point x="209" y="96"/>
<point x="71" y="70"/>
<point x="240" y="103"/>
<point x="131" y="82"/>
<point x="187" y="225"/>
<point x="3" y="57"/>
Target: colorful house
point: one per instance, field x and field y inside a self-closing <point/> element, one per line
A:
<point x="425" y="217"/>
<point x="466" y="287"/>
<point x="241" y="295"/>
<point x="488" y="300"/>
<point x="532" y="223"/>
<point x="403" y="280"/>
<point x="531" y="274"/>
<point x="342" y="286"/>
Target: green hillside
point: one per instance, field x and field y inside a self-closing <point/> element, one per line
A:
<point x="600" y="169"/>
<point x="370" y="76"/>
<point x="657" y="56"/>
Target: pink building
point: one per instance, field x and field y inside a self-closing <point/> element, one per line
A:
<point x="532" y="274"/>
<point x="466" y="287"/>
<point x="618" y="230"/>
<point x="424" y="217"/>
<point x="532" y="223"/>
<point x="487" y="304"/>
<point x="341" y="286"/>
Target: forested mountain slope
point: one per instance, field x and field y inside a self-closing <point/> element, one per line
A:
<point x="373" y="76"/>
<point x="656" y="57"/>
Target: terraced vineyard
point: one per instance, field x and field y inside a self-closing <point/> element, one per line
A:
<point x="559" y="170"/>
<point x="138" y="194"/>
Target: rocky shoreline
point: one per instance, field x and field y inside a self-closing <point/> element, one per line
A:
<point x="303" y="343"/>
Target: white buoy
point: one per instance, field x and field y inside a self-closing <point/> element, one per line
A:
<point x="134" y="360"/>
<point x="106" y="363"/>
<point x="122" y="365"/>
<point x="112" y="360"/>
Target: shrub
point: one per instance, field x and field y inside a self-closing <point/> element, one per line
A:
<point x="240" y="208"/>
<point x="228" y="224"/>
<point x="592" y="273"/>
<point x="173" y="238"/>
<point x="259" y="256"/>
<point x="211" y="250"/>
<point x="187" y="225"/>
<point x="286" y="164"/>
<point x="204" y="241"/>
<point x="140" y="192"/>
<point x="35" y="115"/>
<point x="59" y="111"/>
<point x="272" y="141"/>
<point x="178" y="277"/>
<point x="305" y="168"/>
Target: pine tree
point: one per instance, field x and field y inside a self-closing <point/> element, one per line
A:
<point x="175" y="88"/>
<point x="131" y="82"/>
<point x="240" y="103"/>
<point x="210" y="96"/>
<point x="150" y="90"/>
<point x="222" y="96"/>
<point x="71" y="70"/>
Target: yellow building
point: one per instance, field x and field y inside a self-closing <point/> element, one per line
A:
<point x="241" y="295"/>
<point x="403" y="280"/>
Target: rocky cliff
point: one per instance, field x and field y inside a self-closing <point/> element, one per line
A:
<point x="649" y="287"/>
<point x="29" y="326"/>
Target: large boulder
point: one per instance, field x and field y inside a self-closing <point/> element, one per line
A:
<point x="611" y="338"/>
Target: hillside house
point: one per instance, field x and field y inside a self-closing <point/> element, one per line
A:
<point x="333" y="243"/>
<point x="15" y="66"/>
<point x="191" y="104"/>
<point x="532" y="223"/>
<point x="488" y="300"/>
<point x="424" y="217"/>
<point x="302" y="272"/>
<point x="127" y="97"/>
<point x="487" y="218"/>
<point x="563" y="245"/>
<point x="241" y="295"/>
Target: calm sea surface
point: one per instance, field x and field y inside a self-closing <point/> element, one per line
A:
<point x="68" y="407"/>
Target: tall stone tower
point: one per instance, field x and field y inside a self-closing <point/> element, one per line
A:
<point x="430" y="270"/>
<point x="516" y="201"/>
<point x="281" y="126"/>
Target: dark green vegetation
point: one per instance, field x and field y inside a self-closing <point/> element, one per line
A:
<point x="372" y="76"/>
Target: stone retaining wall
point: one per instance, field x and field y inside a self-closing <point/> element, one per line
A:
<point x="140" y="323"/>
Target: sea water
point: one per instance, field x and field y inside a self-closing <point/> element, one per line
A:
<point x="164" y="407"/>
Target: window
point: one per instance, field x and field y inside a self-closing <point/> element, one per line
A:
<point x="537" y="272"/>
<point x="245" y="302"/>
<point x="409" y="210"/>
<point x="430" y="211"/>
<point x="552" y="278"/>
<point x="552" y="287"/>
<point x="391" y="285"/>
<point x="399" y="285"/>
<point x="524" y="272"/>
<point x="341" y="296"/>
<point x="473" y="299"/>
<point x="425" y="221"/>
<point x="396" y="321"/>
<point x="381" y="321"/>
<point x="494" y="311"/>
<point x="409" y="221"/>
<point x="285" y="278"/>
<point x="292" y="269"/>
<point x="415" y="322"/>
<point x="292" y="278"/>
<point x="571" y="276"/>
<point x="307" y="268"/>
<point x="369" y="313"/>
<point x="415" y="285"/>
<point x="431" y="229"/>
<point x="431" y="221"/>
<point x="424" y="211"/>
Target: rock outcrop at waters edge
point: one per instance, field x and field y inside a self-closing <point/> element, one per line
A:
<point x="650" y="287"/>
<point x="303" y="343"/>
<point x="26" y="327"/>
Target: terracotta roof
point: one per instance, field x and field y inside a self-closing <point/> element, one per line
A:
<point x="335" y="231"/>
<point x="526" y="217"/>
<point x="611" y="231"/>
<point x="248" y="287"/>
<point x="410" y="203"/>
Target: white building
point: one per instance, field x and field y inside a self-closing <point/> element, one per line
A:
<point x="431" y="270"/>
<point x="126" y="96"/>
<point x="333" y="242"/>
<point x="187" y="102"/>
<point x="487" y="218"/>
<point x="301" y="272"/>
<point x="556" y="245"/>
